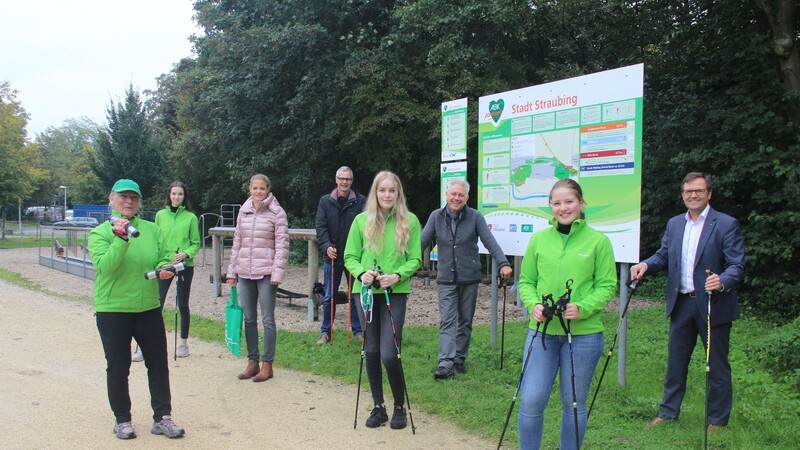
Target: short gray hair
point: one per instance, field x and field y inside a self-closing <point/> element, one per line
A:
<point x="464" y="183"/>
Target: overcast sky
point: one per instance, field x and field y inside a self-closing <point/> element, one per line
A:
<point x="71" y="58"/>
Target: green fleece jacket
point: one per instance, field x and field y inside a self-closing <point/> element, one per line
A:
<point x="585" y="256"/>
<point x="119" y="283"/>
<point x="358" y="258"/>
<point x="181" y="232"/>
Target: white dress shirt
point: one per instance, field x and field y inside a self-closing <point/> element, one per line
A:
<point x="691" y="236"/>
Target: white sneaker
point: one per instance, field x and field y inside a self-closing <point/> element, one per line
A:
<point x="183" y="351"/>
<point x="137" y="356"/>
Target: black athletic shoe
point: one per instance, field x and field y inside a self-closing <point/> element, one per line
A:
<point x="459" y="368"/>
<point x="443" y="372"/>
<point x="398" y="418"/>
<point x="377" y="417"/>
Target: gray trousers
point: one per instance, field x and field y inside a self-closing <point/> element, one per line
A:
<point x="263" y="293"/>
<point x="456" y="310"/>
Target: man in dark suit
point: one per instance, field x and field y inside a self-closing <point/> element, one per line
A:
<point x="703" y="252"/>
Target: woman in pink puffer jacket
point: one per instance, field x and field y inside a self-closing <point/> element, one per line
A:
<point x="259" y="256"/>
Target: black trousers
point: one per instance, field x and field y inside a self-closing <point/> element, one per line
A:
<point x="116" y="331"/>
<point x="184" y="287"/>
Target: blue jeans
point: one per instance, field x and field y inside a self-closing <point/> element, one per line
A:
<point x="537" y="382"/>
<point x="326" y="301"/>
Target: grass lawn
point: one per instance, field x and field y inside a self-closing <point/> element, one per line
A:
<point x="765" y="414"/>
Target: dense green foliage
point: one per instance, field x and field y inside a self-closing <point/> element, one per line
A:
<point x="779" y="353"/>
<point x="65" y="154"/>
<point x="18" y="169"/>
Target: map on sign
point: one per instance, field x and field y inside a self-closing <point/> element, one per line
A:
<point x="587" y="129"/>
<point x="537" y="161"/>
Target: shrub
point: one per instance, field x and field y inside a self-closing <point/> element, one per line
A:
<point x="779" y="353"/>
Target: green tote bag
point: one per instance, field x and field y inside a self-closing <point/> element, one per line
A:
<point x="233" y="324"/>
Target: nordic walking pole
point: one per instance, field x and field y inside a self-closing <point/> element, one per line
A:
<point x="175" y="334"/>
<point x="632" y="287"/>
<point x="332" y="302"/>
<point x="366" y="306"/>
<point x="709" y="272"/>
<point x="574" y="397"/>
<point x="503" y="327"/>
<point x="519" y="385"/>
<point x="561" y="306"/>
<point x="349" y="301"/>
<point x="402" y="372"/>
<point x="360" y="369"/>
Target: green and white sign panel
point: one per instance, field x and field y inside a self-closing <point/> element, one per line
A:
<point x="454" y="130"/>
<point x="587" y="128"/>
<point x="451" y="171"/>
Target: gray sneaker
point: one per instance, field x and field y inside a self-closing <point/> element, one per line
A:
<point x="183" y="351"/>
<point x="167" y="428"/>
<point x="124" y="430"/>
<point x="137" y="355"/>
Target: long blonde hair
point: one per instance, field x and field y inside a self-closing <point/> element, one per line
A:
<point x="376" y="222"/>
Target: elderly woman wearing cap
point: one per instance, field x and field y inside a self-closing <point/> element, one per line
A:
<point x="127" y="306"/>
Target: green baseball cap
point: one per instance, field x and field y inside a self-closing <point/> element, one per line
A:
<point x="126" y="185"/>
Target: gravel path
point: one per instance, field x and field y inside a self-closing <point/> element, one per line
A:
<point x="289" y="315"/>
<point x="53" y="394"/>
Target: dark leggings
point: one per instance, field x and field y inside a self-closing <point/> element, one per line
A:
<point x="116" y="331"/>
<point x="184" y="287"/>
<point x="380" y="345"/>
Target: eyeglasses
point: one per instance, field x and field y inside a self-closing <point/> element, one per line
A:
<point x="344" y="179"/>
<point x="690" y="192"/>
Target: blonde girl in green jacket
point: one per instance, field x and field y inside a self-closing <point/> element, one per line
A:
<point x="181" y="234"/>
<point x="383" y="247"/>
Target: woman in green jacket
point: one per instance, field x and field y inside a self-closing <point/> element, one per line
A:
<point x="179" y="226"/>
<point x="571" y="253"/>
<point x="126" y="305"/>
<point x="383" y="248"/>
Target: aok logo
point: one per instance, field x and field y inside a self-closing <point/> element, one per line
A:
<point x="496" y="110"/>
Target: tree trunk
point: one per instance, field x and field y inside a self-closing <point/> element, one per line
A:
<point x="781" y="16"/>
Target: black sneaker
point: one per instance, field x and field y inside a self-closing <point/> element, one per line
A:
<point x="459" y="368"/>
<point x="443" y="372"/>
<point x="377" y="417"/>
<point x="398" y="418"/>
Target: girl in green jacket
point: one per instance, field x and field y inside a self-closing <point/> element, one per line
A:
<point x="568" y="252"/>
<point x="181" y="231"/>
<point x="383" y="248"/>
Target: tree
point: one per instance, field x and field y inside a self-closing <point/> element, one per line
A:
<point x="18" y="159"/>
<point x="64" y="153"/>
<point x="129" y="147"/>
<point x="783" y="21"/>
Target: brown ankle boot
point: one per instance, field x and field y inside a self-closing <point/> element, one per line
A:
<point x="265" y="373"/>
<point x="250" y="370"/>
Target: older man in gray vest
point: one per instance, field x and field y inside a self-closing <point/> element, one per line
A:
<point x="455" y="229"/>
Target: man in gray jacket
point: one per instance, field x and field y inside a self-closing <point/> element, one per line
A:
<point x="455" y="229"/>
